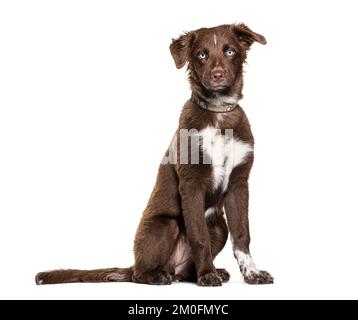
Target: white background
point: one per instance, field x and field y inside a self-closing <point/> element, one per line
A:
<point x="89" y="100"/>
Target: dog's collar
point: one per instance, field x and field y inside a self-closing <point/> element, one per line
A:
<point x="224" y="108"/>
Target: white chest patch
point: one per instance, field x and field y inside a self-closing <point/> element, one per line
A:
<point x="224" y="153"/>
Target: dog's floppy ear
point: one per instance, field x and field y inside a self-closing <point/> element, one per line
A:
<point x="180" y="48"/>
<point x="246" y="36"/>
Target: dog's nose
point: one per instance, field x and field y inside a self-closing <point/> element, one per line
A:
<point x="217" y="75"/>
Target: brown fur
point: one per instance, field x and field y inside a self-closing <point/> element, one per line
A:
<point x="174" y="241"/>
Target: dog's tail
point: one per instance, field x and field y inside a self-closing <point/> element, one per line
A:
<point x="71" y="276"/>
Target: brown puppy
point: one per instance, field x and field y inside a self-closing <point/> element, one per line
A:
<point x="203" y="175"/>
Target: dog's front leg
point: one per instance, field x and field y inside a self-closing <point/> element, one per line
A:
<point x="236" y="209"/>
<point x="198" y="235"/>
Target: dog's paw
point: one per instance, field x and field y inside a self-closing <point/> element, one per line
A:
<point x="210" y="279"/>
<point x="162" y="279"/>
<point x="260" y="277"/>
<point x="224" y="275"/>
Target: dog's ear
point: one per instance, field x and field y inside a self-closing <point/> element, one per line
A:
<point x="246" y="36"/>
<point x="180" y="48"/>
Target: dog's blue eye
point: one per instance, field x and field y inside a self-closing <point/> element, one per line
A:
<point x="230" y="52"/>
<point x="202" y="56"/>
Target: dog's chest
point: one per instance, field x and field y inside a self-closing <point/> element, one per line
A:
<point x="224" y="152"/>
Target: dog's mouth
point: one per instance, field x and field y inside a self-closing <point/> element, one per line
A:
<point x="216" y="87"/>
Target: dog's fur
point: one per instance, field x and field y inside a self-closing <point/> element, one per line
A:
<point x="183" y="227"/>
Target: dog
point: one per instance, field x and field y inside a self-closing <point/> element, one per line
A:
<point x="201" y="193"/>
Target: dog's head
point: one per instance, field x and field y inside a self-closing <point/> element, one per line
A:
<point x="215" y="57"/>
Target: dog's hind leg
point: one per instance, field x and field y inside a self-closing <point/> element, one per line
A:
<point x="154" y="244"/>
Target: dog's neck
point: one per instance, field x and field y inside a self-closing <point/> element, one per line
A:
<point x="217" y="103"/>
